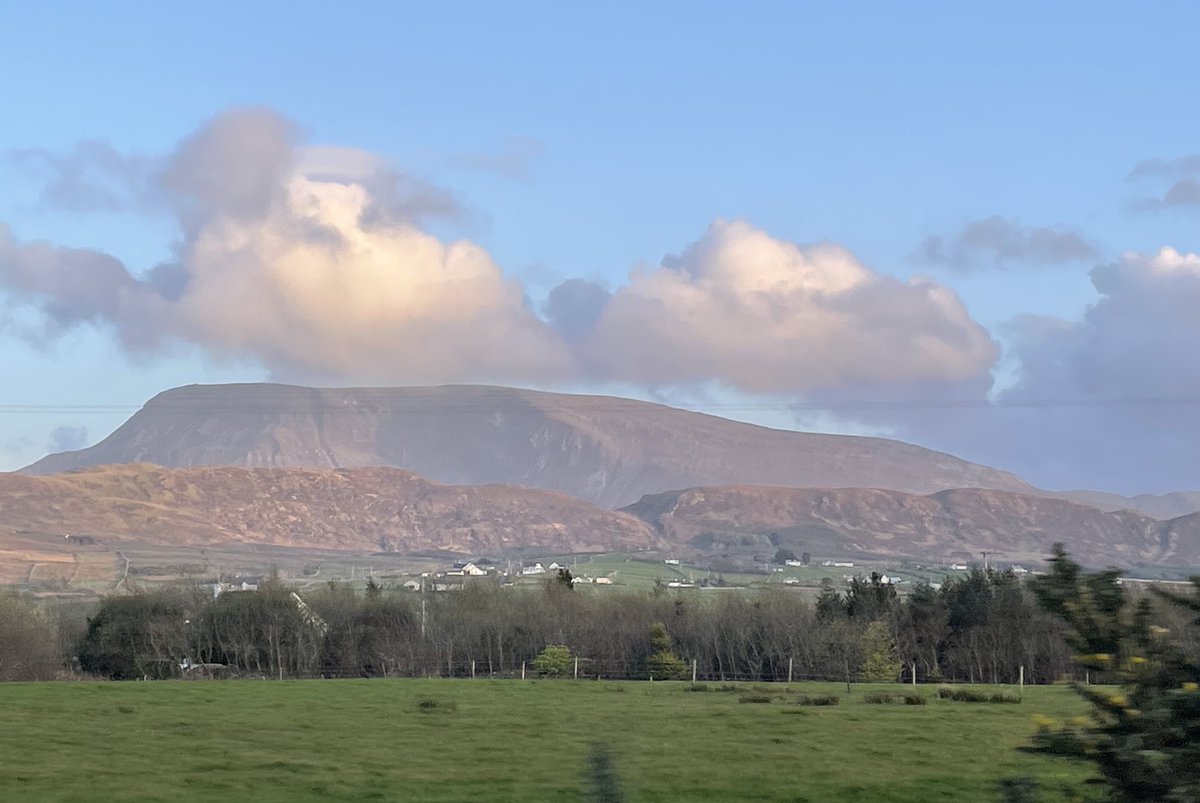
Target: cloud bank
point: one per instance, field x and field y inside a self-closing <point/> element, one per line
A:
<point x="1111" y="401"/>
<point x="315" y="262"/>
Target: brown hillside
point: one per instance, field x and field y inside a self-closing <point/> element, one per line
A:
<point x="368" y="509"/>
<point x="954" y="524"/>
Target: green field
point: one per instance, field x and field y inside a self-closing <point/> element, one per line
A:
<point x="451" y="740"/>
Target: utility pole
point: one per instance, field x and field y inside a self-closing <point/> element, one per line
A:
<point x="985" y="554"/>
<point x="422" y="606"/>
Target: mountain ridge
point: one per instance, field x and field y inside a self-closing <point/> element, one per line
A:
<point x="607" y="450"/>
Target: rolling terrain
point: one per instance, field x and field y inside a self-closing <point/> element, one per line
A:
<point x="948" y="525"/>
<point x="605" y="450"/>
<point x="368" y="510"/>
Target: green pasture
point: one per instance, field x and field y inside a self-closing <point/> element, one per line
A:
<point x="453" y="740"/>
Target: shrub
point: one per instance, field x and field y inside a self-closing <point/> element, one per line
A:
<point x="818" y="699"/>
<point x="963" y="695"/>
<point x="755" y="698"/>
<point x="727" y="687"/>
<point x="696" y="687"/>
<point x="553" y="661"/>
<point x="914" y="699"/>
<point x="1004" y="697"/>
<point x="877" y="699"/>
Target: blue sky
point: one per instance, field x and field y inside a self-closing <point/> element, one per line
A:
<point x="582" y="142"/>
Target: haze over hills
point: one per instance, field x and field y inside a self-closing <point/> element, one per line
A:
<point x="948" y="525"/>
<point x="606" y="450"/>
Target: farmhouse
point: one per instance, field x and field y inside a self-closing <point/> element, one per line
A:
<point x="536" y="568"/>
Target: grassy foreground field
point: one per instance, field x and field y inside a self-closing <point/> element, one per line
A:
<point x="451" y="740"/>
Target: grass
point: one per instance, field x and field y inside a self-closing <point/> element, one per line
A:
<point x="448" y="740"/>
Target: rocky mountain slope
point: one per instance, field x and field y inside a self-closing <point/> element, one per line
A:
<point x="606" y="450"/>
<point x="948" y="525"/>
<point x="367" y="509"/>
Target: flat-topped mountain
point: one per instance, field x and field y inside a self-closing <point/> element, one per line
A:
<point x="606" y="450"/>
<point x="365" y="509"/>
<point x="948" y="525"/>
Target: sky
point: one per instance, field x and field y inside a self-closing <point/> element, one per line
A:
<point x="969" y="226"/>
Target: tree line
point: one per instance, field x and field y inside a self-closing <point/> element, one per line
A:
<point x="982" y="627"/>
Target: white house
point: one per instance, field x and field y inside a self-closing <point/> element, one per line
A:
<point x="793" y="563"/>
<point x="556" y="566"/>
<point x="603" y="581"/>
<point x="672" y="561"/>
<point x="536" y="568"/>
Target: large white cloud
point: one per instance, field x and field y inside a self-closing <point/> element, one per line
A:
<point x="310" y="260"/>
<point x="768" y="316"/>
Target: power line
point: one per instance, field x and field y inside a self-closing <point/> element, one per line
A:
<point x="259" y="404"/>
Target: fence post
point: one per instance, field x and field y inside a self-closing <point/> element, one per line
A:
<point x="790" y="661"/>
<point x="576" y="667"/>
<point x="1022" y="681"/>
<point x="472" y="669"/>
<point x="913" y="667"/>
<point x="522" y="670"/>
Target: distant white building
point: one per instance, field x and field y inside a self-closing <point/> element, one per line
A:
<point x="958" y="567"/>
<point x="672" y="561"/>
<point x="536" y="568"/>
<point x="556" y="566"/>
<point x="792" y="563"/>
<point x="1019" y="570"/>
<point x="603" y="581"/>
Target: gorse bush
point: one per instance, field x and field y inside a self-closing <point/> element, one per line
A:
<point x="818" y="699"/>
<point x="878" y="699"/>
<point x="755" y="698"/>
<point x="554" y="661"/>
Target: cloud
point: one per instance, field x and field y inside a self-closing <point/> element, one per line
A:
<point x="574" y="306"/>
<point x="67" y="439"/>
<point x="1001" y="242"/>
<point x="1109" y="401"/>
<point x="1167" y="168"/>
<point x="92" y="177"/>
<point x="312" y="262"/>
<point x="768" y="316"/>
<point x="514" y="159"/>
<point x="1181" y="177"/>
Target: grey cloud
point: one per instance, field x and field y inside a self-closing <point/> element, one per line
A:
<point x="234" y="165"/>
<point x="1182" y="176"/>
<point x="1167" y="168"/>
<point x="574" y="306"/>
<point x="1108" y="401"/>
<point x="91" y="177"/>
<point x="514" y="159"/>
<point x="67" y="439"/>
<point x="999" y="242"/>
<point x="399" y="197"/>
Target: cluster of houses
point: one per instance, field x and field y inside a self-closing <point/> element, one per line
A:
<point x="452" y="579"/>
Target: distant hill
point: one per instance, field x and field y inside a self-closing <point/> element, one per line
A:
<point x="367" y="510"/>
<point x="1156" y="506"/>
<point x="606" y="450"/>
<point x="948" y="525"/>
